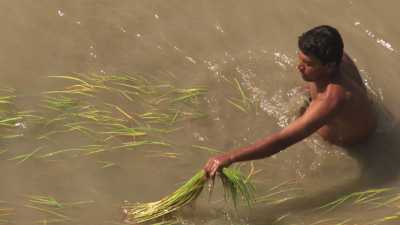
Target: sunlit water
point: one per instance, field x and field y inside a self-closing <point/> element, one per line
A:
<point x="223" y="46"/>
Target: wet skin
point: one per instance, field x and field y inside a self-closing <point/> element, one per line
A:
<point x="340" y="112"/>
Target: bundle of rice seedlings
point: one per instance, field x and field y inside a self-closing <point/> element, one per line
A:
<point x="235" y="185"/>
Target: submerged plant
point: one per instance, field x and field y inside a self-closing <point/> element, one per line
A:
<point x="235" y="185"/>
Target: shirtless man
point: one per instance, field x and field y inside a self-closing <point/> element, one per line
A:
<point x="340" y="110"/>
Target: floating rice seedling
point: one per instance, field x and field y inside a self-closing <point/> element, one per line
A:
<point x="51" y="212"/>
<point x="78" y="203"/>
<point x="2" y="151"/>
<point x="331" y="222"/>
<point x="123" y="112"/>
<point x="233" y="181"/>
<point x="61" y="103"/>
<point x="51" y="154"/>
<point x="211" y="150"/>
<point x="44" y="200"/>
<point x="385" y="219"/>
<point x="94" y="149"/>
<point x="106" y="164"/>
<point x="361" y="197"/>
<point x="188" y="95"/>
<point x="242" y="103"/>
<point x="158" y="117"/>
<point x="6" y="100"/>
<point x="138" y="89"/>
<point x="237" y="105"/>
<point x="79" y="127"/>
<point x="390" y="201"/>
<point x="4" y="213"/>
<point x="134" y="144"/>
<point x="71" y="127"/>
<point x="91" y="113"/>
<point x="116" y="130"/>
<point x="169" y="155"/>
<point x="128" y="86"/>
<point x="50" y="201"/>
<point x="278" y="194"/>
<point x="51" y="221"/>
<point x="149" y="129"/>
<point x="22" y="158"/>
<point x="10" y="122"/>
<point x="83" y="150"/>
<point x="85" y="84"/>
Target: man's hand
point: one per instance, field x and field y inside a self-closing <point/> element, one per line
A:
<point x="216" y="163"/>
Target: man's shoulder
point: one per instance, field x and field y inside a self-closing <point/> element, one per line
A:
<point x="335" y="92"/>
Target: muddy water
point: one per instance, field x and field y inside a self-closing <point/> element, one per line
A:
<point x="195" y="44"/>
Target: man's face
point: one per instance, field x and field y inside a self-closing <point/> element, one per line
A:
<point x="311" y="69"/>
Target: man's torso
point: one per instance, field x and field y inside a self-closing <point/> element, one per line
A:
<point x="355" y="119"/>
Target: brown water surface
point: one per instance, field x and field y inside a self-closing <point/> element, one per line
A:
<point x="214" y="45"/>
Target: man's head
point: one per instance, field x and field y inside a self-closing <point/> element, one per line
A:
<point x="321" y="50"/>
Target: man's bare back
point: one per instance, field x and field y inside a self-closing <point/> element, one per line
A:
<point x="356" y="119"/>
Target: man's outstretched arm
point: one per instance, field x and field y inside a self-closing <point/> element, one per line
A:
<point x="318" y="113"/>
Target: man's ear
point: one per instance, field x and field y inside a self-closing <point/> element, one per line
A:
<point x="330" y="66"/>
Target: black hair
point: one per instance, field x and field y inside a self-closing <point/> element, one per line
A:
<point x="322" y="42"/>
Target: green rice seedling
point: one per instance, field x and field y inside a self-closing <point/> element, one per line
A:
<point x="2" y="151"/>
<point x="188" y="95"/>
<point x="157" y="117"/>
<point x="106" y="164"/>
<point x="169" y="155"/>
<point x="361" y="197"/>
<point x="242" y="103"/>
<point x="237" y="105"/>
<point x="236" y="184"/>
<point x="4" y="213"/>
<point x="44" y="200"/>
<point x="143" y="212"/>
<point x="385" y="219"/>
<point x="78" y="126"/>
<point x="211" y="150"/>
<point x="22" y="158"/>
<point x="60" y="103"/>
<point x="279" y="193"/>
<point x="330" y="221"/>
<point x="233" y="182"/>
<point x="81" y="88"/>
<point x="51" y="221"/>
<point x="134" y="144"/>
<point x="123" y="112"/>
<point x="10" y="121"/>
<point x="51" y="212"/>
<point x="389" y="202"/>
<point x="50" y="201"/>
<point x="117" y="129"/>
<point x="51" y="154"/>
<point x="71" y="127"/>
<point x="138" y="89"/>
<point x="93" y="149"/>
<point x="6" y="100"/>
<point x="244" y="98"/>
<point x="91" y="113"/>
<point x="78" y="203"/>
<point x="276" y="197"/>
<point x="83" y="150"/>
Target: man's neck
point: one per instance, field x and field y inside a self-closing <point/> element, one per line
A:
<point x="330" y="76"/>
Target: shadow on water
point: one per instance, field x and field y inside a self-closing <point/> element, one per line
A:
<point x="378" y="159"/>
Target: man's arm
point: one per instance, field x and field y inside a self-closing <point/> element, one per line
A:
<point x="320" y="111"/>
